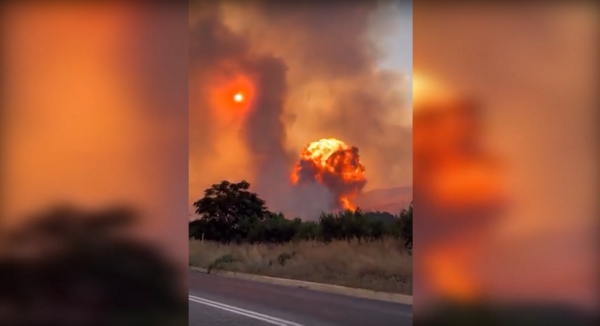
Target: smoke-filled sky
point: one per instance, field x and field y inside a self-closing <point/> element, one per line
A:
<point x="307" y="71"/>
<point x="398" y="42"/>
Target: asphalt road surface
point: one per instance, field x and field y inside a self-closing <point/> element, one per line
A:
<point x="217" y="300"/>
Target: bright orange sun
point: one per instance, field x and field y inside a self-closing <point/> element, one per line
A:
<point x="231" y="97"/>
<point x="238" y="97"/>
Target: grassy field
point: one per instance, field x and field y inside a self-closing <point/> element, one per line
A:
<point x="379" y="265"/>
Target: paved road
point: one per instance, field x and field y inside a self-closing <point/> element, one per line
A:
<point x="216" y="300"/>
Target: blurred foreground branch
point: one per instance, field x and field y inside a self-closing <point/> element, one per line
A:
<point x="74" y="267"/>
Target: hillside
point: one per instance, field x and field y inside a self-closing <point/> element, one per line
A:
<point x="389" y="200"/>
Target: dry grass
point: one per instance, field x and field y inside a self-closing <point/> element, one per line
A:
<point x="380" y="265"/>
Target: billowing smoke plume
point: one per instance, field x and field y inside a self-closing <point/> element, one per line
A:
<point x="217" y="56"/>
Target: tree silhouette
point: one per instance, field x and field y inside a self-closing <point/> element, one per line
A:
<point x="225" y="205"/>
<point x="406" y="226"/>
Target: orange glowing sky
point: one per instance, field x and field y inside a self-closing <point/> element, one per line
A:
<point x="79" y="126"/>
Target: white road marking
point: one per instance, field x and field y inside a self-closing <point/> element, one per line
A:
<point x="243" y="312"/>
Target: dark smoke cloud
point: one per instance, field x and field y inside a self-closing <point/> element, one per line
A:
<point x="332" y="34"/>
<point x="264" y="129"/>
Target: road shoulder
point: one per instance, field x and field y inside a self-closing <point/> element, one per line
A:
<point x="328" y="288"/>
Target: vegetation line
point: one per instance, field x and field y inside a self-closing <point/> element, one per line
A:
<point x="231" y="213"/>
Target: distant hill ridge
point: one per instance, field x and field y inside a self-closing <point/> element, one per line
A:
<point x="388" y="200"/>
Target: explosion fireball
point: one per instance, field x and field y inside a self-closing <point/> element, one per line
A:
<point x="335" y="165"/>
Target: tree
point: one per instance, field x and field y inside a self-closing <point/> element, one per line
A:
<point x="197" y="228"/>
<point x="306" y="230"/>
<point x="385" y="217"/>
<point x="377" y="228"/>
<point x="406" y="226"/>
<point x="223" y="208"/>
<point x="330" y="227"/>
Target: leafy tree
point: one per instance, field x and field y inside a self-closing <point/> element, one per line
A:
<point x="377" y="229"/>
<point x="330" y="227"/>
<point x="307" y="230"/>
<point x="225" y="205"/>
<point x="385" y="217"/>
<point x="197" y="228"/>
<point x="406" y="226"/>
<point x="278" y="229"/>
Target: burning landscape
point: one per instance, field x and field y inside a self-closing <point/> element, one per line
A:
<point x="304" y="112"/>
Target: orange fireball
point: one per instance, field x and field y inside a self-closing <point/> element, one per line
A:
<point x="335" y="165"/>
